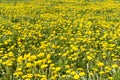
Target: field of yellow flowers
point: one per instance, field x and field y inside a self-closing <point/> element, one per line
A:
<point x="59" y="40"/>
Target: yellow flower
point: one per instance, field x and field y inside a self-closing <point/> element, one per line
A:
<point x="91" y="74"/>
<point x="75" y="48"/>
<point x="63" y="76"/>
<point x="51" y="65"/>
<point x="11" y="54"/>
<point x="26" y="56"/>
<point x="9" y="64"/>
<point x="73" y="72"/>
<point x="0" y="61"/>
<point x="107" y="67"/>
<point x="95" y="69"/>
<point x="48" y="56"/>
<point x="20" y="59"/>
<point x="67" y="66"/>
<point x="17" y="74"/>
<point x="37" y="75"/>
<point x="53" y="77"/>
<point x="5" y="56"/>
<point x="27" y="79"/>
<point x="76" y="76"/>
<point x="58" y="68"/>
<point x="43" y="76"/>
<point x="19" y="69"/>
<point x="32" y="58"/>
<point x="74" y="59"/>
<point x="29" y="75"/>
<point x="80" y="69"/>
<point x="43" y="66"/>
<point x="110" y="78"/>
<point x="89" y="57"/>
<point x="114" y="66"/>
<point x="82" y="48"/>
<point x="100" y="64"/>
<point x="112" y="55"/>
<point x="107" y="71"/>
<point x="49" y="61"/>
<point x="82" y="73"/>
<point x="64" y="54"/>
<point x="68" y="71"/>
<point x="43" y="79"/>
<point x="59" y="54"/>
<point x="41" y="55"/>
<point x="24" y="76"/>
<point x="101" y="72"/>
<point x="29" y="65"/>
<point x="104" y="56"/>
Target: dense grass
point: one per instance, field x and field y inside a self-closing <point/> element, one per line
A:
<point x="59" y="40"/>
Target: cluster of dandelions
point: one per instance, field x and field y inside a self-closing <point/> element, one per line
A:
<point x="59" y="41"/>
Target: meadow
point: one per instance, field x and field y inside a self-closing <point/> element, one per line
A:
<point x="59" y="40"/>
